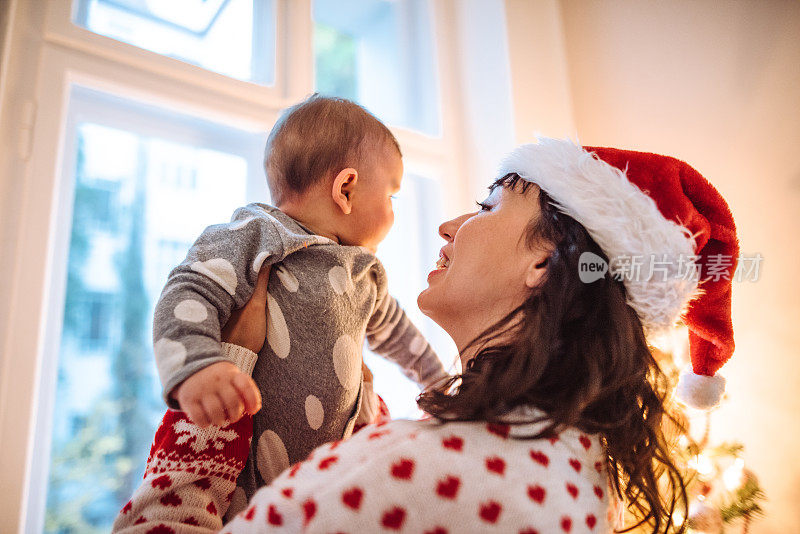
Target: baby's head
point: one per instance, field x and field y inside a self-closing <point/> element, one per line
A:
<point x="332" y="163"/>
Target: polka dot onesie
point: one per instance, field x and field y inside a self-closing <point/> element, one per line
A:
<point x="324" y="299"/>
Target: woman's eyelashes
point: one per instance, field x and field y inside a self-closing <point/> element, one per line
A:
<point x="483" y="206"/>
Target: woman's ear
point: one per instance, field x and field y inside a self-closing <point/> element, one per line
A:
<point x="342" y="190"/>
<point x="536" y="268"/>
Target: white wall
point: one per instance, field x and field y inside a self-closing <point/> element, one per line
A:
<point x="718" y="85"/>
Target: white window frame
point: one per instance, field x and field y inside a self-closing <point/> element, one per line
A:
<point x="69" y="55"/>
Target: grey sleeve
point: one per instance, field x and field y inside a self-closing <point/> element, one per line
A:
<point x="217" y="277"/>
<point x="391" y="334"/>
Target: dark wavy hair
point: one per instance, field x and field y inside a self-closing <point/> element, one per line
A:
<point x="577" y="351"/>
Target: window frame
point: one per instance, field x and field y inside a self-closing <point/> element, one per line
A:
<point x="68" y="56"/>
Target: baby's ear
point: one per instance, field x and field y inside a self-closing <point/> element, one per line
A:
<point x="342" y="190"/>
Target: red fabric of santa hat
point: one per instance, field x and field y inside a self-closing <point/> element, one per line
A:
<point x="663" y="212"/>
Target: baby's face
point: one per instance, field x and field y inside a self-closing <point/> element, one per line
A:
<point x="372" y="215"/>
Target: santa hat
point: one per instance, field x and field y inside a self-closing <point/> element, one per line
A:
<point x="663" y="212"/>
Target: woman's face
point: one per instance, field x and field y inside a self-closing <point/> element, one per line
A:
<point x="485" y="269"/>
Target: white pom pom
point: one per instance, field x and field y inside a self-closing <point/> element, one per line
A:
<point x="698" y="391"/>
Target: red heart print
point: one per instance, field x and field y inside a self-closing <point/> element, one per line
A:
<point x="453" y="442"/>
<point x="335" y="444"/>
<point x="211" y="509"/>
<point x="591" y="521"/>
<point x="162" y="482"/>
<point x="394" y="518"/>
<point x="566" y="524"/>
<point x="598" y="467"/>
<point x="540" y="458"/>
<point x="250" y="513"/>
<point x="327" y="462"/>
<point x="499" y="429"/>
<point x="287" y="492"/>
<point x="448" y="487"/>
<point x="585" y="441"/>
<point x="127" y="507"/>
<point x="437" y="530"/>
<point x="140" y="520"/>
<point x="203" y="483"/>
<point x="553" y="440"/>
<point x="378" y="434"/>
<point x="537" y="493"/>
<point x="403" y="469"/>
<point x="293" y="471"/>
<point x="352" y="498"/>
<point x="573" y="490"/>
<point x="598" y="491"/>
<point x="496" y="465"/>
<point x="529" y="531"/>
<point x="576" y="465"/>
<point x="490" y="511"/>
<point x="191" y="521"/>
<point x="171" y="499"/>
<point x="309" y="510"/>
<point x="273" y="517"/>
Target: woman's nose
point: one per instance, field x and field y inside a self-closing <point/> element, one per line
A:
<point x="448" y="229"/>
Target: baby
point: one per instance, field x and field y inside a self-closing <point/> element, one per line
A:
<point x="332" y="169"/>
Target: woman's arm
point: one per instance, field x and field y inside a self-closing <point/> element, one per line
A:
<point x="191" y="471"/>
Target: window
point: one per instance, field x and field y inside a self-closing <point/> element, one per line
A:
<point x="380" y="53"/>
<point x="141" y="106"/>
<point x="232" y="37"/>
<point x="107" y="386"/>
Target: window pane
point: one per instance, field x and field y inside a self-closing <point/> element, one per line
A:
<point x="380" y="53"/>
<point x="232" y="37"/>
<point x="140" y="200"/>
<point x="409" y="254"/>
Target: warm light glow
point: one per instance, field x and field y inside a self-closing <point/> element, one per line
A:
<point x="734" y="475"/>
<point x="683" y="441"/>
<point x="677" y="517"/>
<point x="702" y="464"/>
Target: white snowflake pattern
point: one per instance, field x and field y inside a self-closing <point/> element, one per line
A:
<point x="203" y="438"/>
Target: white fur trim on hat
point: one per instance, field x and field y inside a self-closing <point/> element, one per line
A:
<point x="698" y="391"/>
<point x="620" y="217"/>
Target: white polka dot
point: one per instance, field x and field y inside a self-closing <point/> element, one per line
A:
<point x="271" y="456"/>
<point x="382" y="335"/>
<point x="238" y="502"/>
<point x="219" y="270"/>
<point x="277" y="331"/>
<point x="241" y="224"/>
<point x="287" y="279"/>
<point x="338" y="278"/>
<point x="191" y="310"/>
<point x="259" y="261"/>
<point x="347" y="362"/>
<point x="314" y="412"/>
<point x="417" y="345"/>
<point x="170" y="356"/>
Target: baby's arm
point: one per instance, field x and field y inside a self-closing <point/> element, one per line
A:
<point x="391" y="334"/>
<point x="218" y="276"/>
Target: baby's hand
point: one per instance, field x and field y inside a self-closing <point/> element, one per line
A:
<point x="217" y="395"/>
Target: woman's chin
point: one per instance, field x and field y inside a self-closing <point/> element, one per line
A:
<point x="426" y="302"/>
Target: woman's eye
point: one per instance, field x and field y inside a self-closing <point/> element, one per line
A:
<point x="483" y="207"/>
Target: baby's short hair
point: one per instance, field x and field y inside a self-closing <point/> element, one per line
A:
<point x="318" y="136"/>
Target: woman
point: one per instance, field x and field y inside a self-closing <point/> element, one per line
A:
<point x="560" y="403"/>
<point x="560" y="395"/>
